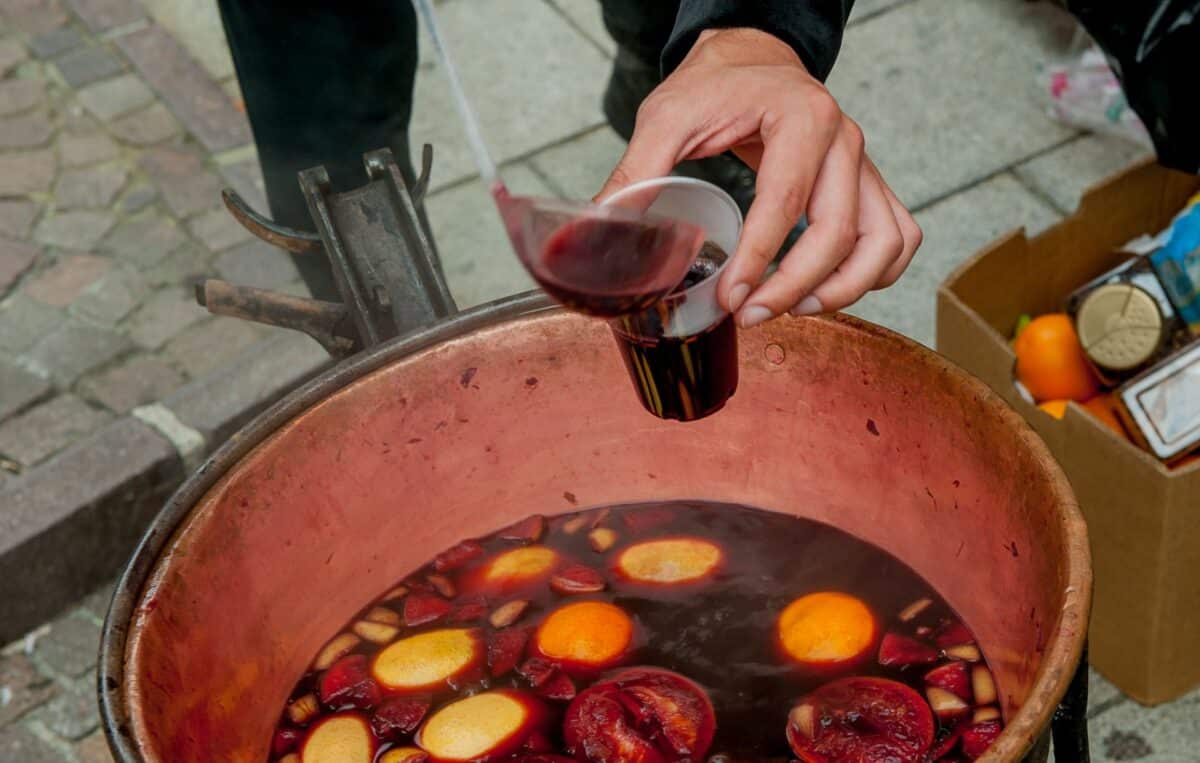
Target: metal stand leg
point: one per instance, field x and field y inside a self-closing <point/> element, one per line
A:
<point x="1069" y="727"/>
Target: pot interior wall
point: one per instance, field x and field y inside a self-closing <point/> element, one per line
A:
<point x="834" y="420"/>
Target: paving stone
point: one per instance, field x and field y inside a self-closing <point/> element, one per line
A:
<point x="579" y="167"/>
<point x="207" y="346"/>
<point x="1163" y="734"/>
<point x="34" y="17"/>
<point x="31" y="130"/>
<point x="69" y="648"/>
<point x="94" y="749"/>
<point x="186" y="185"/>
<point x="98" y="600"/>
<point x="87" y="149"/>
<point x="586" y="15"/>
<point x="954" y="230"/>
<point x="246" y="178"/>
<point x="1066" y="172"/>
<point x="145" y="241"/>
<point x="11" y="54"/>
<point x="17" y="95"/>
<point x="73" y="713"/>
<point x="97" y="496"/>
<point x="23" y="688"/>
<point x="148" y="127"/>
<point x="1101" y="691"/>
<point x="102" y="15"/>
<point x="112" y="297"/>
<point x="41" y="431"/>
<point x="190" y="92"/>
<point x="91" y="188"/>
<point x="16" y="217"/>
<point x="165" y="314"/>
<point x="532" y="86"/>
<point x="88" y="65"/>
<point x="25" y="321"/>
<point x="19" y="389"/>
<point x="63" y="282"/>
<point x="55" y="42"/>
<point x="257" y="263"/>
<point x="868" y="9"/>
<point x="137" y="198"/>
<point x="74" y="348"/>
<point x="76" y="229"/>
<point x="15" y="259"/>
<point x="19" y="744"/>
<point x="183" y="267"/>
<point x="476" y="255"/>
<point x="219" y="405"/>
<point x="140" y="381"/>
<point x="946" y="92"/>
<point x="26" y="172"/>
<point x="198" y="27"/>
<point x="115" y="97"/>
<point x="218" y="231"/>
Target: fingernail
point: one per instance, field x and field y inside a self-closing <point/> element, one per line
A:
<point x="754" y="315"/>
<point x="737" y="295"/>
<point x="810" y="305"/>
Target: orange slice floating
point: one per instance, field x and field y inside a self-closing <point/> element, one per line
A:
<point x="427" y="660"/>
<point x="485" y="725"/>
<point x="587" y="634"/>
<point x="670" y="561"/>
<point x="520" y="566"/>
<point x="343" y="738"/>
<point x="404" y="755"/>
<point x="827" y="630"/>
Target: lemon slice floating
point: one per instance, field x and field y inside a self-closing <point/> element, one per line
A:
<point x="670" y="561"/>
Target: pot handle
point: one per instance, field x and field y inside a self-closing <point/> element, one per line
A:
<point x="379" y="246"/>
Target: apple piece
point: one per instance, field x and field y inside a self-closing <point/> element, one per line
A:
<point x="422" y="608"/>
<point x="983" y="714"/>
<point x="585" y="636"/>
<point x="457" y="556"/>
<point x="504" y="650"/>
<point x="485" y="726"/>
<point x="602" y="539"/>
<point x="643" y="714"/>
<point x="558" y="687"/>
<point x="826" y="632"/>
<point x="978" y="737"/>
<point x="640" y="521"/>
<point x="303" y="709"/>
<point x="528" y="530"/>
<point x="400" y="716"/>
<point x="347" y="684"/>
<point x="953" y="678"/>
<point x="670" y="561"/>
<point x="285" y="740"/>
<point x="574" y="524"/>
<point x="376" y="633"/>
<point x="519" y="568"/>
<point x="947" y="741"/>
<point x="383" y="616"/>
<point x="399" y="592"/>
<point x="468" y="609"/>
<point x="428" y="661"/>
<point x="291" y="757"/>
<point x="339" y="646"/>
<point x="952" y="633"/>
<point x="599" y="517"/>
<point x="860" y="718"/>
<point x="536" y="671"/>
<point x="341" y="738"/>
<point x="901" y="652"/>
<point x="965" y="652"/>
<point x="947" y="706"/>
<point x="508" y="613"/>
<point x="910" y="613"/>
<point x="983" y="684"/>
<point x="803" y="718"/>
<point x="404" y="755"/>
<point x="443" y="585"/>
<point x="577" y="579"/>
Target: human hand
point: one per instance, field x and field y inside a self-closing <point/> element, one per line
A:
<point x="746" y="91"/>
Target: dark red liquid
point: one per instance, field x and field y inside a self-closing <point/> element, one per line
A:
<point x="719" y="631"/>
<point x="684" y="378"/>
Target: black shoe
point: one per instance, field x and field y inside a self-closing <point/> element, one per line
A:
<point x="631" y="81"/>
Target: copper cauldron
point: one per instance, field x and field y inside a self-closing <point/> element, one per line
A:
<point x="515" y="407"/>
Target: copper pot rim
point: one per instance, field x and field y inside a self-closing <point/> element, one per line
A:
<point x="1021" y="731"/>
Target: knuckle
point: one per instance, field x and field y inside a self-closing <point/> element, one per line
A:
<point x="913" y="235"/>
<point x="854" y="135"/>
<point x="843" y="235"/>
<point x="653" y="107"/>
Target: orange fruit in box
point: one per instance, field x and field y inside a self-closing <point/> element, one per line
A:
<point x="1051" y="363"/>
<point x="1103" y="407"/>
<point x="1056" y="408"/>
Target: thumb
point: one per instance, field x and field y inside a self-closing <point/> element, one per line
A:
<point x="652" y="152"/>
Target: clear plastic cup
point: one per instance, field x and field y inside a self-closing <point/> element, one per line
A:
<point x="681" y="352"/>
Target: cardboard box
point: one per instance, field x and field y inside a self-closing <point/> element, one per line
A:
<point x="1143" y="519"/>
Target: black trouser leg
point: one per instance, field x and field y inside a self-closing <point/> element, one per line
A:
<point x="641" y="30"/>
<point x="324" y="82"/>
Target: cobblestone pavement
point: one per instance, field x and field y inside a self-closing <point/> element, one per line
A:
<point x="120" y="121"/>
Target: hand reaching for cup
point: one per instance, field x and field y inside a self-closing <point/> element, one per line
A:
<point x="745" y="91"/>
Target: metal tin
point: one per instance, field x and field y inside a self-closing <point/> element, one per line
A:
<point x="1120" y="327"/>
<point x="1162" y="405"/>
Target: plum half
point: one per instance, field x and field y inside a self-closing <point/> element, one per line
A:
<point x="861" y="720"/>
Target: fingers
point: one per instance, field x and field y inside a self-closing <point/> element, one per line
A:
<point x="653" y="150"/>
<point x="879" y="245"/>
<point x="833" y="228"/>
<point x="909" y="230"/>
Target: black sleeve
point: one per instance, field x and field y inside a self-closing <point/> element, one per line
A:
<point x="1152" y="47"/>
<point x="812" y="27"/>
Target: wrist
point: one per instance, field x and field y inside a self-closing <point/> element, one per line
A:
<point x="746" y="45"/>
